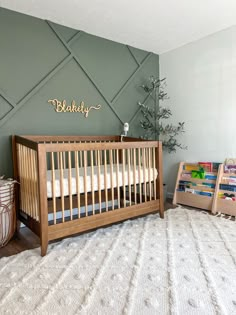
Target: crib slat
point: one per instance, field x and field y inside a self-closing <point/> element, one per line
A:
<point x="31" y="186"/>
<point x="77" y="181"/>
<point x="92" y="180"/>
<point x="131" y="157"/>
<point x="111" y="178"/>
<point x="23" y="198"/>
<point x="105" y="179"/>
<point x="134" y="174"/>
<point x="81" y="157"/>
<point x="36" y="186"/>
<point x="101" y="160"/>
<point x="70" y="185"/>
<point x="24" y="177"/>
<point x="129" y="176"/>
<point x="58" y="158"/>
<point x="149" y="174"/>
<point x="64" y="158"/>
<point x="62" y="186"/>
<point x="85" y="183"/>
<point x="123" y="176"/>
<point x="27" y="168"/>
<point x="117" y="177"/>
<point x="53" y="187"/>
<point x="144" y="174"/>
<point x="99" y="182"/>
<point x="154" y="168"/>
<point x="20" y="161"/>
<point x="27" y="181"/>
<point x="114" y="156"/>
<point x="139" y="176"/>
<point x="96" y="156"/>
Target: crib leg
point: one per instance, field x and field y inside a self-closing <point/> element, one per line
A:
<point x="161" y="210"/>
<point x="44" y="246"/>
<point x="18" y="224"/>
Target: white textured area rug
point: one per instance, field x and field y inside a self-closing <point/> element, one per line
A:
<point x="184" y="264"/>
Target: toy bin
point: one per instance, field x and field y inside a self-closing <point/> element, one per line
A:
<point x="7" y="211"/>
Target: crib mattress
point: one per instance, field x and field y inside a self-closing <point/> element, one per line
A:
<point x="134" y="174"/>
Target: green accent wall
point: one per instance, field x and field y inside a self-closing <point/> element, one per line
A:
<point x="40" y="60"/>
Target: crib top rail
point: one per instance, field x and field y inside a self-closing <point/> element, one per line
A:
<point x="85" y="143"/>
<point x="73" y="138"/>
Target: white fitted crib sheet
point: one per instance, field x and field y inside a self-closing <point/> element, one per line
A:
<point x="148" y="175"/>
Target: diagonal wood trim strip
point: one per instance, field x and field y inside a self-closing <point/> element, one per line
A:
<point x="136" y="60"/>
<point x="74" y="37"/>
<point x="84" y="69"/>
<point x="35" y="89"/>
<point x="138" y="110"/>
<point x="130" y="78"/>
<point x="7" y="98"/>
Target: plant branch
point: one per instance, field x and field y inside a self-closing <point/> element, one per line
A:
<point x="153" y="117"/>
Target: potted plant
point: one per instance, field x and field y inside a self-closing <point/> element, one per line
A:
<point x="154" y="118"/>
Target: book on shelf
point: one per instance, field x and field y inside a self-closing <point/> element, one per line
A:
<point x="228" y="187"/>
<point x="228" y="180"/>
<point x="207" y="166"/>
<point x="191" y="167"/>
<point x="210" y="166"/>
<point x="199" y="192"/>
<point x="215" y="166"/>
<point x="206" y="193"/>
<point x="210" y="177"/>
<point x="186" y="174"/>
<point x="211" y="185"/>
<point x="230" y="168"/>
<point x="189" y="190"/>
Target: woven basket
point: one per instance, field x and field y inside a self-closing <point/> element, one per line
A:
<point x="7" y="211"/>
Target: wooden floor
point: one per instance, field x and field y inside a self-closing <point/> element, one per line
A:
<point x="28" y="240"/>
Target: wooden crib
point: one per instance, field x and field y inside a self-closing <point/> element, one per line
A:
<point x="72" y="184"/>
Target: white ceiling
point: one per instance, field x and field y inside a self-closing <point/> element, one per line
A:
<point x="153" y="25"/>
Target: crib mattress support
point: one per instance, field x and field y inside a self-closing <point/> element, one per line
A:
<point x="98" y="220"/>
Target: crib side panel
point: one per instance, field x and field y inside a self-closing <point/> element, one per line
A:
<point x="98" y="177"/>
<point x="27" y="175"/>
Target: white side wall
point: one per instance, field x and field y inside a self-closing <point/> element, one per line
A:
<point x="201" y="84"/>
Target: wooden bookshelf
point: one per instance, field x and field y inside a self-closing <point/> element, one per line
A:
<point x="223" y="205"/>
<point x="197" y="198"/>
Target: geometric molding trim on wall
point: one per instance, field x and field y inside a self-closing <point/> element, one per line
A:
<point x="9" y="103"/>
<point x="34" y="90"/>
<point x="14" y="107"/>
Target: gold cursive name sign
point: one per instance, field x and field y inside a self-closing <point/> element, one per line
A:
<point x="62" y="107"/>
